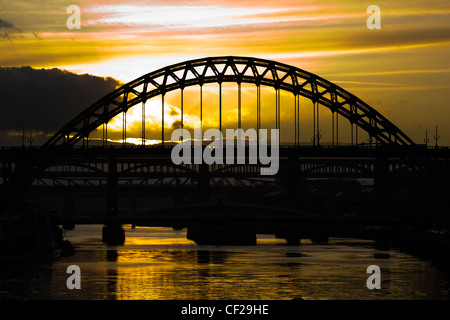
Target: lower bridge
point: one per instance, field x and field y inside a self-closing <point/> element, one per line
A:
<point x="238" y="224"/>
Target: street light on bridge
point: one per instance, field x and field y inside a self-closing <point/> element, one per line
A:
<point x="436" y="137"/>
<point x="426" y="140"/>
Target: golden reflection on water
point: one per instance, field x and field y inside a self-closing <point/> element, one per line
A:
<point x="161" y="264"/>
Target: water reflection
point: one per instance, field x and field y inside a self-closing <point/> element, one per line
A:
<point x="159" y="263"/>
<point x="111" y="255"/>
<point x="212" y="257"/>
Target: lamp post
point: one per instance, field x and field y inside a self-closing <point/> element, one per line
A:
<point x="436" y="137"/>
<point x="426" y="140"/>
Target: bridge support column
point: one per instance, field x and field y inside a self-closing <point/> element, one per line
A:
<point x="112" y="186"/>
<point x="68" y="210"/>
<point x="292" y="238"/>
<point x="381" y="188"/>
<point x="112" y="233"/>
<point x="319" y="233"/>
<point x="213" y="235"/>
<point x="294" y="183"/>
<point x="203" y="183"/>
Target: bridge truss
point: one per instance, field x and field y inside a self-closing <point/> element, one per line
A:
<point x="237" y="70"/>
<point x="200" y="72"/>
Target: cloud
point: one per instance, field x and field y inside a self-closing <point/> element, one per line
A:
<point x="8" y="30"/>
<point x="173" y="112"/>
<point x="43" y="100"/>
<point x="6" y="24"/>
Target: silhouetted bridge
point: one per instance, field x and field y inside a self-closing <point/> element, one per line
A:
<point x="232" y="224"/>
<point x="82" y="159"/>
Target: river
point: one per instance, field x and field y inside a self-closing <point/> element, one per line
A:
<point x="161" y="264"/>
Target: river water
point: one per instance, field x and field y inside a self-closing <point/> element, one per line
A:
<point x="161" y="264"/>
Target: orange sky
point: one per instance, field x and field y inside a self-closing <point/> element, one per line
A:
<point x="402" y="70"/>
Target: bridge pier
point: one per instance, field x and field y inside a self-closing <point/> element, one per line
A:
<point x="212" y="235"/>
<point x="68" y="210"/>
<point x="319" y="233"/>
<point x="203" y="183"/>
<point x="112" y="233"/>
<point x="292" y="239"/>
<point x="112" y="189"/>
<point x="294" y="183"/>
<point x="381" y="184"/>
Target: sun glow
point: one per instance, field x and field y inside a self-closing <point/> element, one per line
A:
<point x="153" y="123"/>
<point x="179" y="16"/>
<point x="125" y="40"/>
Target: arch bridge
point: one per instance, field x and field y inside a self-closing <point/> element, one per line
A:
<point x="237" y="70"/>
<point x="83" y="149"/>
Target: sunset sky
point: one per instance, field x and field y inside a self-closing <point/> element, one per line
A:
<point x="402" y="69"/>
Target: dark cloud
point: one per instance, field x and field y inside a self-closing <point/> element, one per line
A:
<point x="176" y="125"/>
<point x="6" y="24"/>
<point x="44" y="100"/>
<point x="173" y="112"/>
<point x="8" y="30"/>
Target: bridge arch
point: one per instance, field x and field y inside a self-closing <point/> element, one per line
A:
<point x="219" y="70"/>
<point x="238" y="70"/>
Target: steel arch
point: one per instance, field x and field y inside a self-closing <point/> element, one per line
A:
<point x="231" y="69"/>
